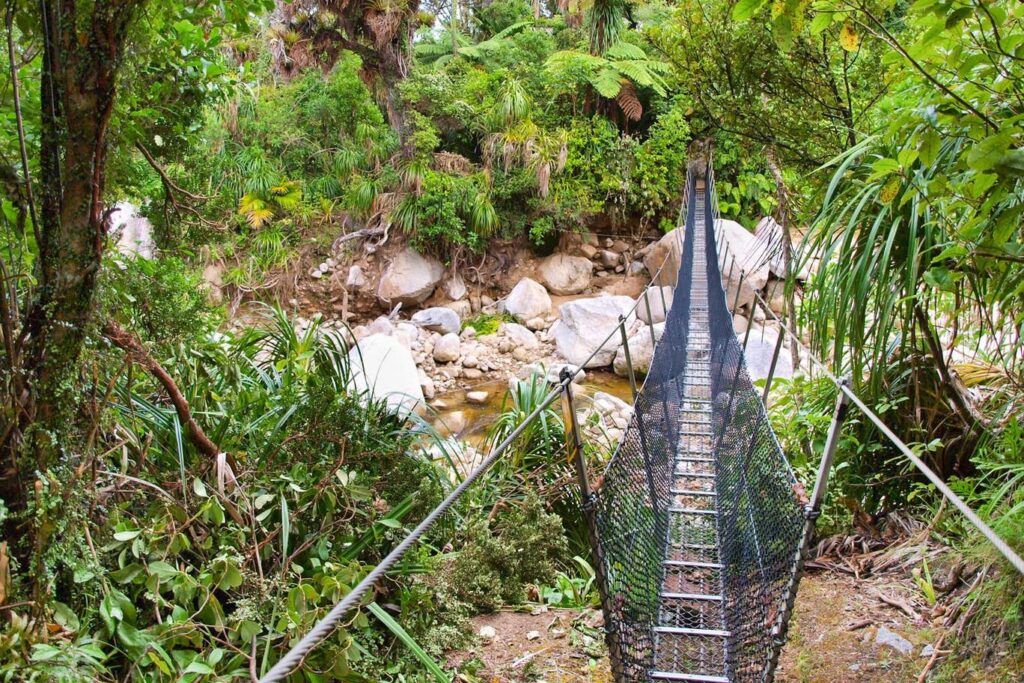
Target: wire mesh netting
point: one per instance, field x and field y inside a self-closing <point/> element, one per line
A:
<point x="696" y="520"/>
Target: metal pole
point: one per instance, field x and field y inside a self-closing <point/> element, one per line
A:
<point x="812" y="510"/>
<point x="739" y="288"/>
<point x="661" y="290"/>
<point x="771" y="368"/>
<point x="750" y="324"/>
<point x="575" y="444"/>
<point x="650" y="318"/>
<point x="629" y="358"/>
<point x="732" y="265"/>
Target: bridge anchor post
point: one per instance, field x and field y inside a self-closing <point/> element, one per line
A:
<point x="812" y="510"/>
<point x="574" y="442"/>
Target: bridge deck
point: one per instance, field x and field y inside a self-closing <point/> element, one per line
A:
<point x="690" y="636"/>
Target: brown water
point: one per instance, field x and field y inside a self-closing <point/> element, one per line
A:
<point x="478" y="418"/>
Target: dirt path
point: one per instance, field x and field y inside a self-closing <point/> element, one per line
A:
<point x="834" y="637"/>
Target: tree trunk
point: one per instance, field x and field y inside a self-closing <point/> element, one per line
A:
<point x="81" y="53"/>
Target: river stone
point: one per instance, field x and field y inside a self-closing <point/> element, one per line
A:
<point x="658" y="311"/>
<point x="751" y="260"/>
<point x="409" y="279"/>
<point x="454" y="422"/>
<point x="641" y="351"/>
<point x="564" y="275"/>
<point x="356" y="278"/>
<point x="584" y="323"/>
<point x="448" y="348"/>
<point x="384" y="369"/>
<point x="519" y="335"/>
<point x="438" y="319"/>
<point x="894" y="640"/>
<point x="528" y="299"/>
<point x="476" y="398"/>
<point x="662" y="258"/>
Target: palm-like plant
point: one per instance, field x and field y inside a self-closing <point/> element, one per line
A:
<point x="542" y="439"/>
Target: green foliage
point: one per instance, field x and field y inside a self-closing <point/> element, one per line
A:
<point x="660" y="171"/>
<point x="542" y="440"/>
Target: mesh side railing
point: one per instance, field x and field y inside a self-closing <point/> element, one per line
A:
<point x="761" y="520"/>
<point x="696" y="519"/>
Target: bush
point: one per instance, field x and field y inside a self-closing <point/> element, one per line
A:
<point x="497" y="560"/>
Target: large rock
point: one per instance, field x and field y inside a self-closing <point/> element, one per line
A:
<point x="409" y="279"/>
<point x="384" y="369"/>
<point x="770" y="240"/>
<point x="641" y="351"/>
<point x="528" y="300"/>
<point x="455" y="287"/>
<point x="751" y="260"/>
<point x="438" y="319"/>
<point x="563" y="274"/>
<point x="659" y="300"/>
<point x="760" y="348"/>
<point x="133" y="232"/>
<point x="356" y="278"/>
<point x="521" y="336"/>
<point x="448" y="348"/>
<point x="662" y="258"/>
<point x="584" y="323"/>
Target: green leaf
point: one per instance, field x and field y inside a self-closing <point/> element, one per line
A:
<point x="286" y="526"/>
<point x="126" y="535"/>
<point x="745" y="9"/>
<point x="987" y="153"/>
<point x="929" y="147"/>
<point x="438" y="673"/>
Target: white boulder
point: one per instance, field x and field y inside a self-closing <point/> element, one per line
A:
<point x="133" y="232"/>
<point x="656" y="296"/>
<point x="384" y="369"/>
<point x="563" y="274"/>
<point x="641" y="351"/>
<point x="520" y="336"/>
<point x="448" y="348"/>
<point x="528" y="300"/>
<point x="454" y="287"/>
<point x="409" y="279"/>
<point x="751" y="261"/>
<point x="758" y="355"/>
<point x="438" y="319"/>
<point x="584" y="323"/>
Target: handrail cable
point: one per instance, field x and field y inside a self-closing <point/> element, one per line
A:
<point x="1011" y="556"/>
<point x="325" y="626"/>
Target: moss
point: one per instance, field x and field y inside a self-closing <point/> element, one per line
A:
<point x="488" y="323"/>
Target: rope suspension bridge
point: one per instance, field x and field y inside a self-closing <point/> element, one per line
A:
<point x="699" y="528"/>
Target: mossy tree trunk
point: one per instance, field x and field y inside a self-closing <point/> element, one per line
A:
<point x="82" y="49"/>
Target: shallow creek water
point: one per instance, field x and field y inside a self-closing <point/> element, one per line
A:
<point x="478" y="418"/>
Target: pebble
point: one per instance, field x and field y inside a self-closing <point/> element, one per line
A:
<point x="472" y="373"/>
<point x="488" y="633"/>
<point x="476" y="397"/>
<point x="893" y="640"/>
<point x="533" y="635"/>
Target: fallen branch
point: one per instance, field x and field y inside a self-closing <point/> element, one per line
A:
<point x="358" y="234"/>
<point x="898" y="604"/>
<point x="934" y="658"/>
<point x="130" y="344"/>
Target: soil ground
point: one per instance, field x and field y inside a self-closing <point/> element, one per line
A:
<point x="832" y="639"/>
